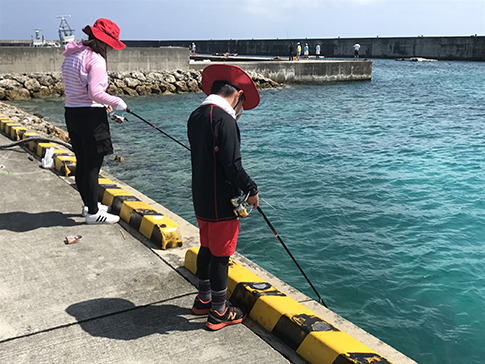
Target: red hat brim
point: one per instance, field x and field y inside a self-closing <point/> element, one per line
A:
<point x="235" y="75"/>
<point x="108" y="32"/>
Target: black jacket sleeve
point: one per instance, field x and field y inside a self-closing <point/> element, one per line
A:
<point x="229" y="154"/>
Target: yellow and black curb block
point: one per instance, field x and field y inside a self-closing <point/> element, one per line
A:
<point x="313" y="338"/>
<point x="161" y="230"/>
<point x="158" y="228"/>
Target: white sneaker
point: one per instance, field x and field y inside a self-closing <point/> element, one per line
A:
<point x="100" y="207"/>
<point x="101" y="217"/>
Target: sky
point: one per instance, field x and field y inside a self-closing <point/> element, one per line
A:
<point x="247" y="19"/>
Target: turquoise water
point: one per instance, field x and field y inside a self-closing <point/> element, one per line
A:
<point x="376" y="188"/>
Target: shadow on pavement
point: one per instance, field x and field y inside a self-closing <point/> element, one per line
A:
<point x="20" y="221"/>
<point x="120" y="319"/>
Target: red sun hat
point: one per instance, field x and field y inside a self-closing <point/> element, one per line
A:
<point x="106" y="31"/>
<point x="235" y="75"/>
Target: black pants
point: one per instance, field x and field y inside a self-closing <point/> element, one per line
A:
<point x="90" y="138"/>
<point x="213" y="268"/>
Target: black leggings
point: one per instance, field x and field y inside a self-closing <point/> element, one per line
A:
<point x="90" y="138"/>
<point x="213" y="268"/>
<point x="87" y="172"/>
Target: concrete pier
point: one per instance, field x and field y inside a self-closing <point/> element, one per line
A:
<point x="106" y="299"/>
<point x="305" y="71"/>
<point x="115" y="297"/>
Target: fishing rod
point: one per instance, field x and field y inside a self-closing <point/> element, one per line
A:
<point x="258" y="208"/>
<point x="291" y="255"/>
<point x="160" y="130"/>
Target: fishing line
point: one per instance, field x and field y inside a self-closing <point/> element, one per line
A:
<point x="320" y="300"/>
<point x="160" y="130"/>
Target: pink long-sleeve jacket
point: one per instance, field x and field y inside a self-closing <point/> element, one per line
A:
<point x="86" y="79"/>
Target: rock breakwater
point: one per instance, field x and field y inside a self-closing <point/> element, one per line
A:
<point x="40" y="85"/>
<point x="33" y="122"/>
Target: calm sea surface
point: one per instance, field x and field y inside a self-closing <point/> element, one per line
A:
<point x="376" y="187"/>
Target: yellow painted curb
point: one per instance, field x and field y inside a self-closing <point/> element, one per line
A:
<point x="162" y="231"/>
<point x="315" y="339"/>
<point x="65" y="165"/>
<point x="16" y="132"/>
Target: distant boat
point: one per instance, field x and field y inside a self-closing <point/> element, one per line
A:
<point x="417" y="59"/>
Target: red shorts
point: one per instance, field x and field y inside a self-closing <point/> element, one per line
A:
<point x="220" y="237"/>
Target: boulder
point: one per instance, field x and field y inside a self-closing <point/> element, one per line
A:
<point x="138" y="76"/>
<point x="130" y="91"/>
<point x="155" y="77"/>
<point x="167" y="87"/>
<point x="58" y="88"/>
<point x="45" y="80"/>
<point x="57" y="76"/>
<point x="181" y="86"/>
<point x="155" y="89"/>
<point x="193" y="85"/>
<point x="170" y="79"/>
<point x="17" y="94"/>
<point x="42" y="92"/>
<point x="114" y="90"/>
<point x="143" y="90"/>
<point x="9" y="84"/>
<point x="119" y="83"/>
<point x="23" y="78"/>
<point x="131" y="82"/>
<point x="179" y="75"/>
<point x="32" y="85"/>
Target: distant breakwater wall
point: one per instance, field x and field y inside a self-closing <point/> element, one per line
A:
<point x="24" y="86"/>
<point x="316" y="72"/>
<point x="29" y="59"/>
<point x="470" y="48"/>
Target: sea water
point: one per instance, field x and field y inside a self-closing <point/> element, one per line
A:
<point x="377" y="189"/>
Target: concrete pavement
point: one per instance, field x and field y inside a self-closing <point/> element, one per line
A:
<point x="108" y="298"/>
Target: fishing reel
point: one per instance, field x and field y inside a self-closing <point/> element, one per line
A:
<point x="117" y="118"/>
<point x="241" y="206"/>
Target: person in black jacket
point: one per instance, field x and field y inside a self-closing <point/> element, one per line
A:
<point x="217" y="177"/>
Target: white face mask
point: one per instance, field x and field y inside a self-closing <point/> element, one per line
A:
<point x="240" y="112"/>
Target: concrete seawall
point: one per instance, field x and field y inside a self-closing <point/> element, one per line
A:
<point x="29" y="59"/>
<point x="306" y="71"/>
<point x="25" y="60"/>
<point x="469" y="48"/>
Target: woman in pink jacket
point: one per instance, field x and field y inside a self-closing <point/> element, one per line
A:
<point x="87" y="103"/>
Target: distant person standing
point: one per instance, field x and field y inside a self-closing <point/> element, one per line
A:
<point x="193" y="48"/>
<point x="317" y="51"/>
<point x="298" y="51"/>
<point x="306" y="51"/>
<point x="356" y="51"/>
<point x="290" y="52"/>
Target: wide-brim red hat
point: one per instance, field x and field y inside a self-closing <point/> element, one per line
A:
<point x="108" y="32"/>
<point x="235" y="75"/>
